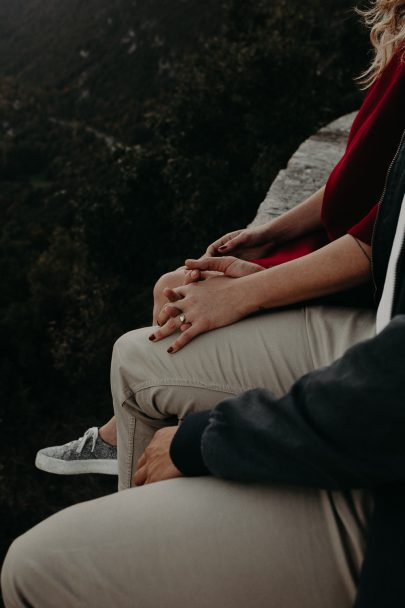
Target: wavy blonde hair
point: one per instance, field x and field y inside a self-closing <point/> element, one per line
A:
<point x="386" y="21"/>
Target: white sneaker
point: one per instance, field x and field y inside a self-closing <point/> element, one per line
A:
<point x="88" y="454"/>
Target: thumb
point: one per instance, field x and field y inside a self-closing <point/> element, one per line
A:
<point x="219" y="264"/>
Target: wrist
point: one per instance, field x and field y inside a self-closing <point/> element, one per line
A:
<point x="278" y="231"/>
<point x="251" y="268"/>
<point x="251" y="294"/>
<point x="246" y="294"/>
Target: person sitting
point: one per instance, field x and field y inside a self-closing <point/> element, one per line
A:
<point x="287" y="490"/>
<point x="317" y="250"/>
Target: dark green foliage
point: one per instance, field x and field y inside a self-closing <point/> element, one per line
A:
<point x="102" y="59"/>
<point x="90" y="220"/>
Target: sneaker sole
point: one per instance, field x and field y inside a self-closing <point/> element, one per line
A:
<point x="75" y="467"/>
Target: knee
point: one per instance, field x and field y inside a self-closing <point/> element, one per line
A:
<point x="130" y="356"/>
<point x="170" y="279"/>
<point x="21" y="575"/>
<point x="9" y="579"/>
<point x="129" y="348"/>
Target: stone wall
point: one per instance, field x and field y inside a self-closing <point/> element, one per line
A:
<point x="307" y="170"/>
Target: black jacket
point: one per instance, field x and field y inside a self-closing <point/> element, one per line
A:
<point x="339" y="427"/>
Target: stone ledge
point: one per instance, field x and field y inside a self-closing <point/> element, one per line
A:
<point x="307" y="170"/>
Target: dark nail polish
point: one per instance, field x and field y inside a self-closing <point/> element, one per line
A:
<point x="152" y="337"/>
<point x="170" y="350"/>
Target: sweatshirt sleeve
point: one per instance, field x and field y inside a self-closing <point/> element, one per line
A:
<point x="185" y="449"/>
<point x="340" y="426"/>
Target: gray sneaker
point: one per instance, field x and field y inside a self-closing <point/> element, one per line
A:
<point x="88" y="454"/>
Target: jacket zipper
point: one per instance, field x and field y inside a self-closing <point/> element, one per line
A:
<point x="380" y="202"/>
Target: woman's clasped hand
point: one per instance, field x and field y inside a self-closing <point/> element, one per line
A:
<point x="203" y="305"/>
<point x="246" y="243"/>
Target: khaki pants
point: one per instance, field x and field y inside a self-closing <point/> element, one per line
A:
<point x="203" y="542"/>
<point x="151" y="388"/>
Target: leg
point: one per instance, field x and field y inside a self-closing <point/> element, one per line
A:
<point x="152" y="388"/>
<point x="108" y="432"/>
<point x="69" y="458"/>
<point x="201" y="542"/>
<point x="170" y="279"/>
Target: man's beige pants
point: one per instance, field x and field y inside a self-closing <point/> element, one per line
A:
<point x="203" y="542"/>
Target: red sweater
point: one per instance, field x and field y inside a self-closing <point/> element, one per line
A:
<point x="356" y="184"/>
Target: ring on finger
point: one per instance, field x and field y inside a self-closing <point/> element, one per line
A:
<point x="182" y="318"/>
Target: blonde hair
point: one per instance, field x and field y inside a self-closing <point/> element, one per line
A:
<point x="386" y="21"/>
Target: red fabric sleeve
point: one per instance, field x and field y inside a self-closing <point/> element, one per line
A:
<point x="363" y="230"/>
<point x="294" y="249"/>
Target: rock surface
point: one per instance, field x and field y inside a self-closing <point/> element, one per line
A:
<point x="307" y="170"/>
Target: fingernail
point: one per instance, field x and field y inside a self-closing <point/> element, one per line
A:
<point x="170" y="350"/>
<point x="223" y="247"/>
<point x="152" y="337"/>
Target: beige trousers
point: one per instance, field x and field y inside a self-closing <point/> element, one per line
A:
<point x="151" y="388"/>
<point x="189" y="543"/>
<point x="203" y="542"/>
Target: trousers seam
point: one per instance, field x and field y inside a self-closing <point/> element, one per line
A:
<point x="223" y="388"/>
<point x="130" y="451"/>
<point x="307" y="335"/>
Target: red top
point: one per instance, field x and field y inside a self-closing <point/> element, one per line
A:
<point x="356" y="184"/>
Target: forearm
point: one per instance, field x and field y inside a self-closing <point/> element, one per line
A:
<point x="340" y="426"/>
<point x="336" y="267"/>
<point x="302" y="219"/>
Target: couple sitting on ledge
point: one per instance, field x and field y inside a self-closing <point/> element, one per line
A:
<point x="285" y="495"/>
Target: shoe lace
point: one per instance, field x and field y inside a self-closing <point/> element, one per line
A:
<point x="90" y="433"/>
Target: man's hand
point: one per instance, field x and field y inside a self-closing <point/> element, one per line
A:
<point x="155" y="463"/>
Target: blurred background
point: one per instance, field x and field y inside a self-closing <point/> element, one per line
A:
<point x="133" y="133"/>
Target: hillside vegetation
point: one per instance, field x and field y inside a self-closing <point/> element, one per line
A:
<point x="102" y="60"/>
<point x="131" y="135"/>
